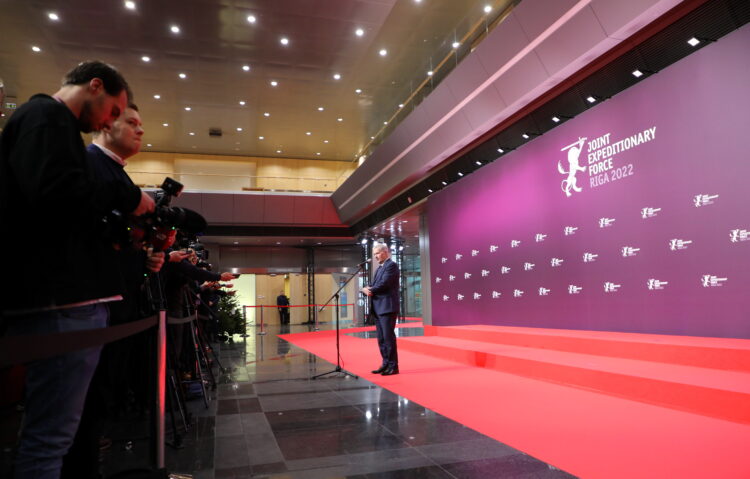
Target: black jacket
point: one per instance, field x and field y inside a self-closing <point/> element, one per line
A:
<point x="385" y="289"/>
<point x="50" y="208"/>
<point x="179" y="278"/>
<point x="131" y="263"/>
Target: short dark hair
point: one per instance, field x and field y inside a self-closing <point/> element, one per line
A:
<point x="113" y="81"/>
<point x="131" y="105"/>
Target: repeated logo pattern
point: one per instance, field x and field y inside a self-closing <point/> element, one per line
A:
<point x="608" y="286"/>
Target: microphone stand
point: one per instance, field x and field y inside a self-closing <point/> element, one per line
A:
<point x="338" y="347"/>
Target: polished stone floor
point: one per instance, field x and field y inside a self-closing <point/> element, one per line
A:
<point x="268" y="418"/>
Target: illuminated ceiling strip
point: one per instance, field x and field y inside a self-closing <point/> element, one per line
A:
<point x="513" y="61"/>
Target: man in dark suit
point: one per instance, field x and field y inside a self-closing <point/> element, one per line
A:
<point x="383" y="293"/>
<point x="282" y="301"/>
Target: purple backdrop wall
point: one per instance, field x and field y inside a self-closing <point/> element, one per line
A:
<point x="655" y="241"/>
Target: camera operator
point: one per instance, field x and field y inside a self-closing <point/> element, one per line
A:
<point x="48" y="196"/>
<point x="107" y="156"/>
<point x="182" y="277"/>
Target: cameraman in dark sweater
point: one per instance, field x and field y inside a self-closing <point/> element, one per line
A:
<point x="48" y="196"/>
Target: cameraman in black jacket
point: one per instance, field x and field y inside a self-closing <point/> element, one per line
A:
<point x="50" y="206"/>
<point x="182" y="277"/>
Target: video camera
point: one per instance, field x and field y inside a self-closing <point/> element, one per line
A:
<point x="159" y="228"/>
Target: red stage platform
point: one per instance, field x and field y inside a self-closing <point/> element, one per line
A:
<point x="595" y="404"/>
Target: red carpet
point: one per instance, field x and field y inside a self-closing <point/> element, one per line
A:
<point x="578" y="400"/>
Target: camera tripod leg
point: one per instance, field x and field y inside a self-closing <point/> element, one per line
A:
<point x="200" y="359"/>
<point x="174" y="386"/>
<point x="206" y="348"/>
<point x="173" y="400"/>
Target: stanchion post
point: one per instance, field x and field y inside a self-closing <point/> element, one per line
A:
<point x="315" y="327"/>
<point x="161" y="383"/>
<point x="261" y="333"/>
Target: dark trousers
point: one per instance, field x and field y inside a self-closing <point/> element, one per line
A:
<point x="386" y="328"/>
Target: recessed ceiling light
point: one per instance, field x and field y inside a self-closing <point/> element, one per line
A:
<point x="325" y="141"/>
<point x="430" y="73"/>
<point x="278" y="151"/>
<point x="500" y="150"/>
<point x="251" y="19"/>
<point x="591" y="99"/>
<point x="385" y="122"/>
<point x="337" y="76"/>
<point x="187" y="108"/>
<point x="693" y="42"/>
<point x="383" y="52"/>
<point x="456" y="44"/>
<point x="339" y="119"/>
<point x="429" y="190"/>
<point x="320" y="108"/>
<point x="444" y="183"/>
<point x="400" y="105"/>
<point x="359" y="32"/>
<point x="174" y="29"/>
<point x="146" y="58"/>
<point x="130" y="5"/>
<point x="242" y="102"/>
<point x="479" y="163"/>
<point x="318" y="154"/>
<point x="239" y="128"/>
<point x="192" y="133"/>
<point x="266" y="114"/>
<point x="165" y="124"/>
<point x="274" y="83"/>
<point x="182" y="75"/>
<point x="149" y="144"/>
<point x="36" y="48"/>
<point x="308" y="133"/>
<point x="357" y="91"/>
<point x="487" y="9"/>
<point x="157" y="97"/>
<point x="236" y="242"/>
<point x="53" y="16"/>
<point x="637" y="73"/>
<point x="261" y="137"/>
<point x="555" y="119"/>
<point x="246" y="68"/>
<point x="372" y="137"/>
<point x="284" y="40"/>
<point x="525" y="136"/>
<point x="460" y="174"/>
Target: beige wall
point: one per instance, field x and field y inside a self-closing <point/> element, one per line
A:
<point x="233" y="173"/>
<point x="267" y="287"/>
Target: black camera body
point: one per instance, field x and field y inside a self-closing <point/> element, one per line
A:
<point x="158" y="229"/>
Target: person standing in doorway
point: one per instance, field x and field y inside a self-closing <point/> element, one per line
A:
<point x="282" y="301"/>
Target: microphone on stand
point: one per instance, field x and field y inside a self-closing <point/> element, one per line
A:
<point x="364" y="262"/>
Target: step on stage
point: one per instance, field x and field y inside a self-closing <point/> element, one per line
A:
<point x="595" y="404"/>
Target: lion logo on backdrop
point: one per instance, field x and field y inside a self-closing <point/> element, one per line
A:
<point x="570" y="183"/>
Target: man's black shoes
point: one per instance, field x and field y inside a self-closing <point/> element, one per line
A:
<point x="379" y="370"/>
<point x="390" y="372"/>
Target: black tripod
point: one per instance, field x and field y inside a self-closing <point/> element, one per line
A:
<point x="338" y="350"/>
